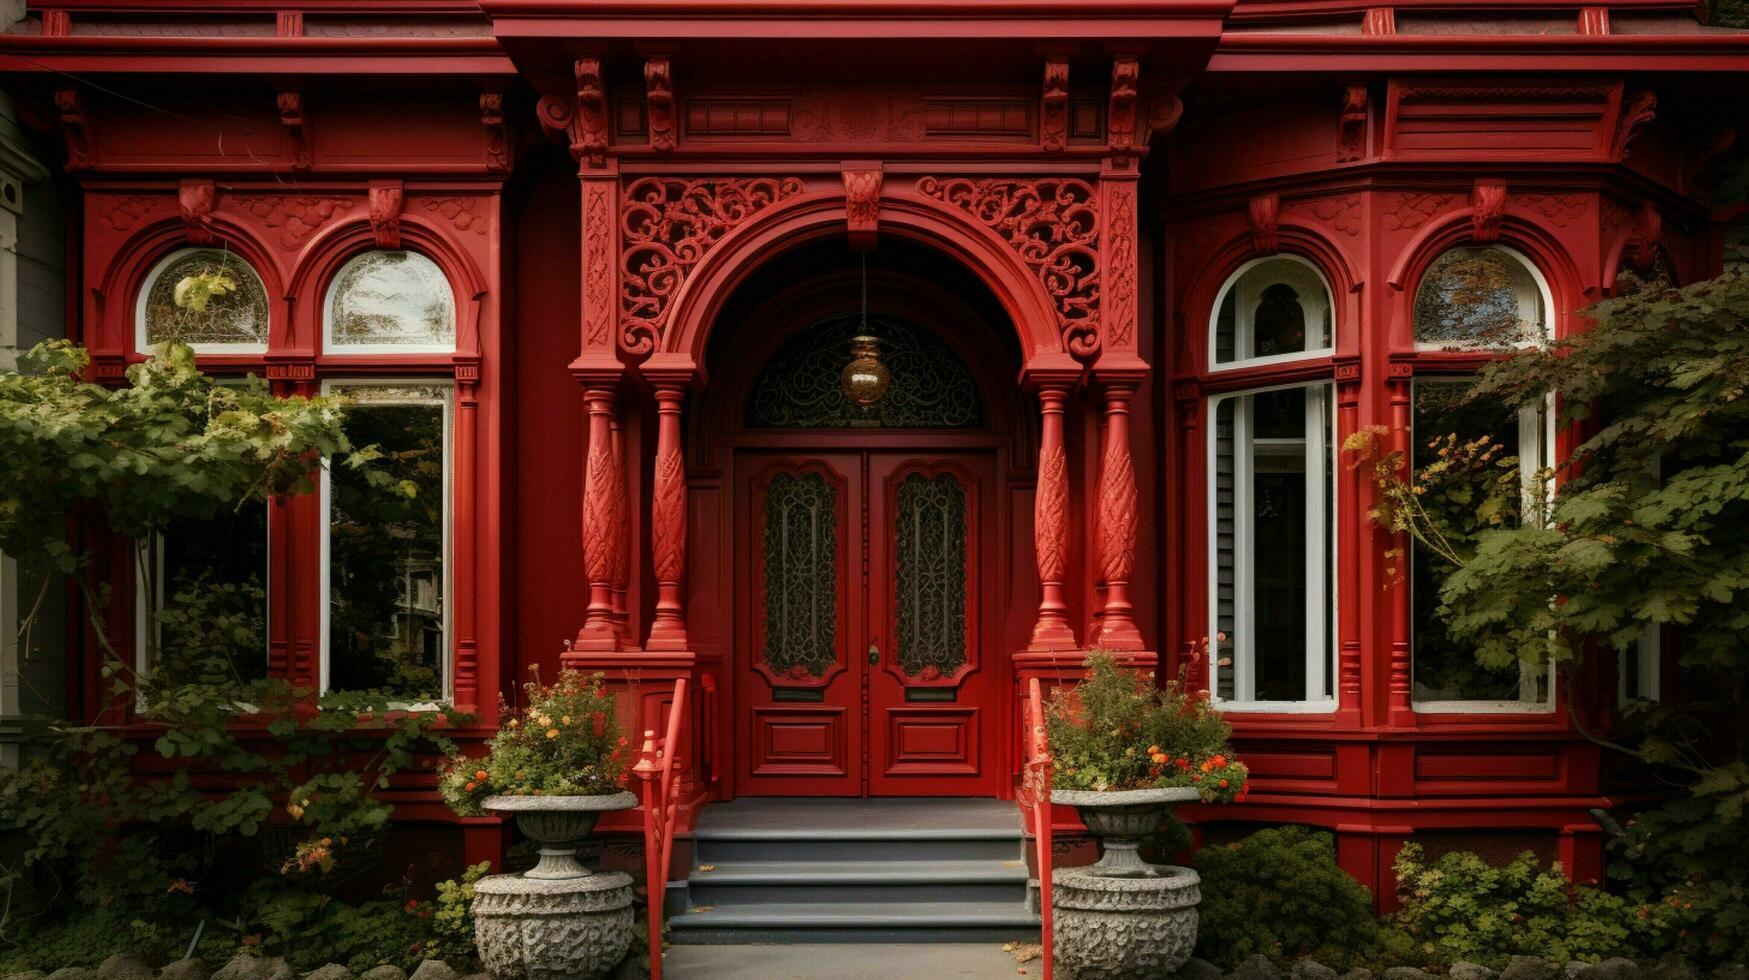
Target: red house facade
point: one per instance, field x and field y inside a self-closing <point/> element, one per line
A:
<point x="1136" y="271"/>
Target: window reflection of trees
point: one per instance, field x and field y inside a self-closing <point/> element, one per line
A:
<point x="386" y="577"/>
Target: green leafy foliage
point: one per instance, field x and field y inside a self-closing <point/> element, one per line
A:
<point x="1117" y="730"/>
<point x="1648" y="531"/>
<point x="1279" y="892"/>
<point x="1461" y="908"/>
<point x="566" y="741"/>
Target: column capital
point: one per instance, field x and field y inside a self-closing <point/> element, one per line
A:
<point x="671" y="370"/>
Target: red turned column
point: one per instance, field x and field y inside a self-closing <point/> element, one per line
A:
<point x="668" y="521"/>
<point x="1401" y="709"/>
<point x="1050" y="522"/>
<point x="600" y="522"/>
<point x="1117" y="521"/>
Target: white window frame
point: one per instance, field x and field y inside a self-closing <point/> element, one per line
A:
<point x="146" y="606"/>
<point x="331" y="346"/>
<point x="446" y="402"/>
<point x="1545" y="329"/>
<point x="1244" y="315"/>
<point x="1321" y="546"/>
<point x="144" y="344"/>
<point x="1536" y="425"/>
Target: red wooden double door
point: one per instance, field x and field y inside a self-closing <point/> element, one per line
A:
<point x="863" y="594"/>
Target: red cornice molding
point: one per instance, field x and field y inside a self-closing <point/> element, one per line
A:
<point x="255" y="55"/>
<point x="1260" y="51"/>
<point x="1256" y="10"/>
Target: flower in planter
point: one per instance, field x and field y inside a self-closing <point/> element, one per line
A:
<point x="1116" y="730"/>
<point x="539" y="752"/>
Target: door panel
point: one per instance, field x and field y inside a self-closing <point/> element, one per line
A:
<point x="929" y="729"/>
<point x="860" y="641"/>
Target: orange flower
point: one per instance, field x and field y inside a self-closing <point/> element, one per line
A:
<point x="471" y="787"/>
<point x="1153" y="750"/>
<point x="1219" y="761"/>
<point x="1223" y="784"/>
<point x="481" y="775"/>
<point x="552" y="733"/>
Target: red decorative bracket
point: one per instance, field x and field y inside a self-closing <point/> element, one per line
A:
<point x="1121" y="114"/>
<point x="1487" y="207"/>
<point x="71" y="106"/>
<point x="385" y="213"/>
<point x="195" y="199"/>
<point x="862" y="203"/>
<point x="1637" y="111"/>
<point x="659" y="98"/>
<point x="497" y="138"/>
<point x="1053" y="126"/>
<point x="589" y="137"/>
<point x="1351" y="141"/>
<point x="291" y="116"/>
<point x="1265" y="219"/>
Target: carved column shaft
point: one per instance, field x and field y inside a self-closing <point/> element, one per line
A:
<point x="668" y="522"/>
<point x="1051" y="525"/>
<point x="1117" y="522"/>
<point x="600" y="519"/>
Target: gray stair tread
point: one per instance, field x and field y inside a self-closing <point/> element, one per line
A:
<point x="856" y="915"/>
<point x="897" y="818"/>
<point x="859" y="872"/>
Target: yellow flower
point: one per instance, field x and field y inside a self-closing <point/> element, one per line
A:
<point x="566" y="720"/>
<point x="552" y="733"/>
<point x="513" y="723"/>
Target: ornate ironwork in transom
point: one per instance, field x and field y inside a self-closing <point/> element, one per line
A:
<point x="799" y="387"/>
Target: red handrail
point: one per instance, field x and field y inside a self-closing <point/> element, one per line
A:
<point x="1035" y="805"/>
<point x="655" y="770"/>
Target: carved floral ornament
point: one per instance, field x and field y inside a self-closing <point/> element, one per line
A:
<point x="667" y="225"/>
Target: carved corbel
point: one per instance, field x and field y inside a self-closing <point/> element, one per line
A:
<point x="1637" y="111"/>
<point x="385" y="212"/>
<point x="195" y="200"/>
<point x="589" y="132"/>
<point x="71" y="107"/>
<point x="1645" y="237"/>
<point x="557" y="114"/>
<point x="1121" y="113"/>
<point x="1265" y="219"/>
<point x="291" y="116"/>
<point x="497" y="139"/>
<point x="1053" y="125"/>
<point x="1163" y="115"/>
<point x="659" y="101"/>
<point x="1351" y="141"/>
<point x="862" y="203"/>
<point x="1487" y="207"/>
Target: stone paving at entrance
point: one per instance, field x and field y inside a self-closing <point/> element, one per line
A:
<point x="833" y="961"/>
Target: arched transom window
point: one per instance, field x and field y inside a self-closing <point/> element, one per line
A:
<point x="1275" y="308"/>
<point x="1478" y="299"/>
<point x="207" y="298"/>
<point x="389" y="300"/>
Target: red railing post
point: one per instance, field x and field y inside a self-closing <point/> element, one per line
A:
<point x="656" y="775"/>
<point x="1036" y="805"/>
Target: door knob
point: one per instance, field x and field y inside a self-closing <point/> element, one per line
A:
<point x="874" y="655"/>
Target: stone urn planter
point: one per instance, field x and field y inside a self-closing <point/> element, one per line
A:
<point x="1120" y="819"/>
<point x="1123" y="918"/>
<point x="558" y="920"/>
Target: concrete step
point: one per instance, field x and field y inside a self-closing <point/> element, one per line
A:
<point x="855" y="921"/>
<point x="766" y="849"/>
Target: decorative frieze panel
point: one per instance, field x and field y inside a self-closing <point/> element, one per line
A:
<point x="1053" y="224"/>
<point x="667" y="225"/>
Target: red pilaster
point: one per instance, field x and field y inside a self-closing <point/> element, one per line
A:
<point x="621" y="533"/>
<point x="1400" y="711"/>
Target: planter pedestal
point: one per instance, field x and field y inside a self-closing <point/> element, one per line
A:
<point x="553" y="929"/>
<point x="1124" y="928"/>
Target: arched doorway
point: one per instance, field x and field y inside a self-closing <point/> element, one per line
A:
<point x="869" y="544"/>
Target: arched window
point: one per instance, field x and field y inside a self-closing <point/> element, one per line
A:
<point x="1480" y="298"/>
<point x="1275" y="308"/>
<point x="1271" y="493"/>
<point x="1473" y="304"/>
<point x="389" y="300"/>
<point x="222" y="308"/>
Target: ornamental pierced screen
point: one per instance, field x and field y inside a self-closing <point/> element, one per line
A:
<point x="799" y="389"/>
<point x="801" y="575"/>
<point x="235" y="317"/>
<point x="931" y="593"/>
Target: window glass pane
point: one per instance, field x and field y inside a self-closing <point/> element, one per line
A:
<point x="234" y="317"/>
<point x="209" y="578"/>
<point x="1479" y="298"/>
<point x="390" y="298"/>
<point x="1443" y="424"/>
<point x="1272" y="533"/>
<point x="1276" y="307"/>
<point x="387" y="629"/>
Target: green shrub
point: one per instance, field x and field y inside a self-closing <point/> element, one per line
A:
<point x="1461" y="908"/>
<point x="1279" y="892"/>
